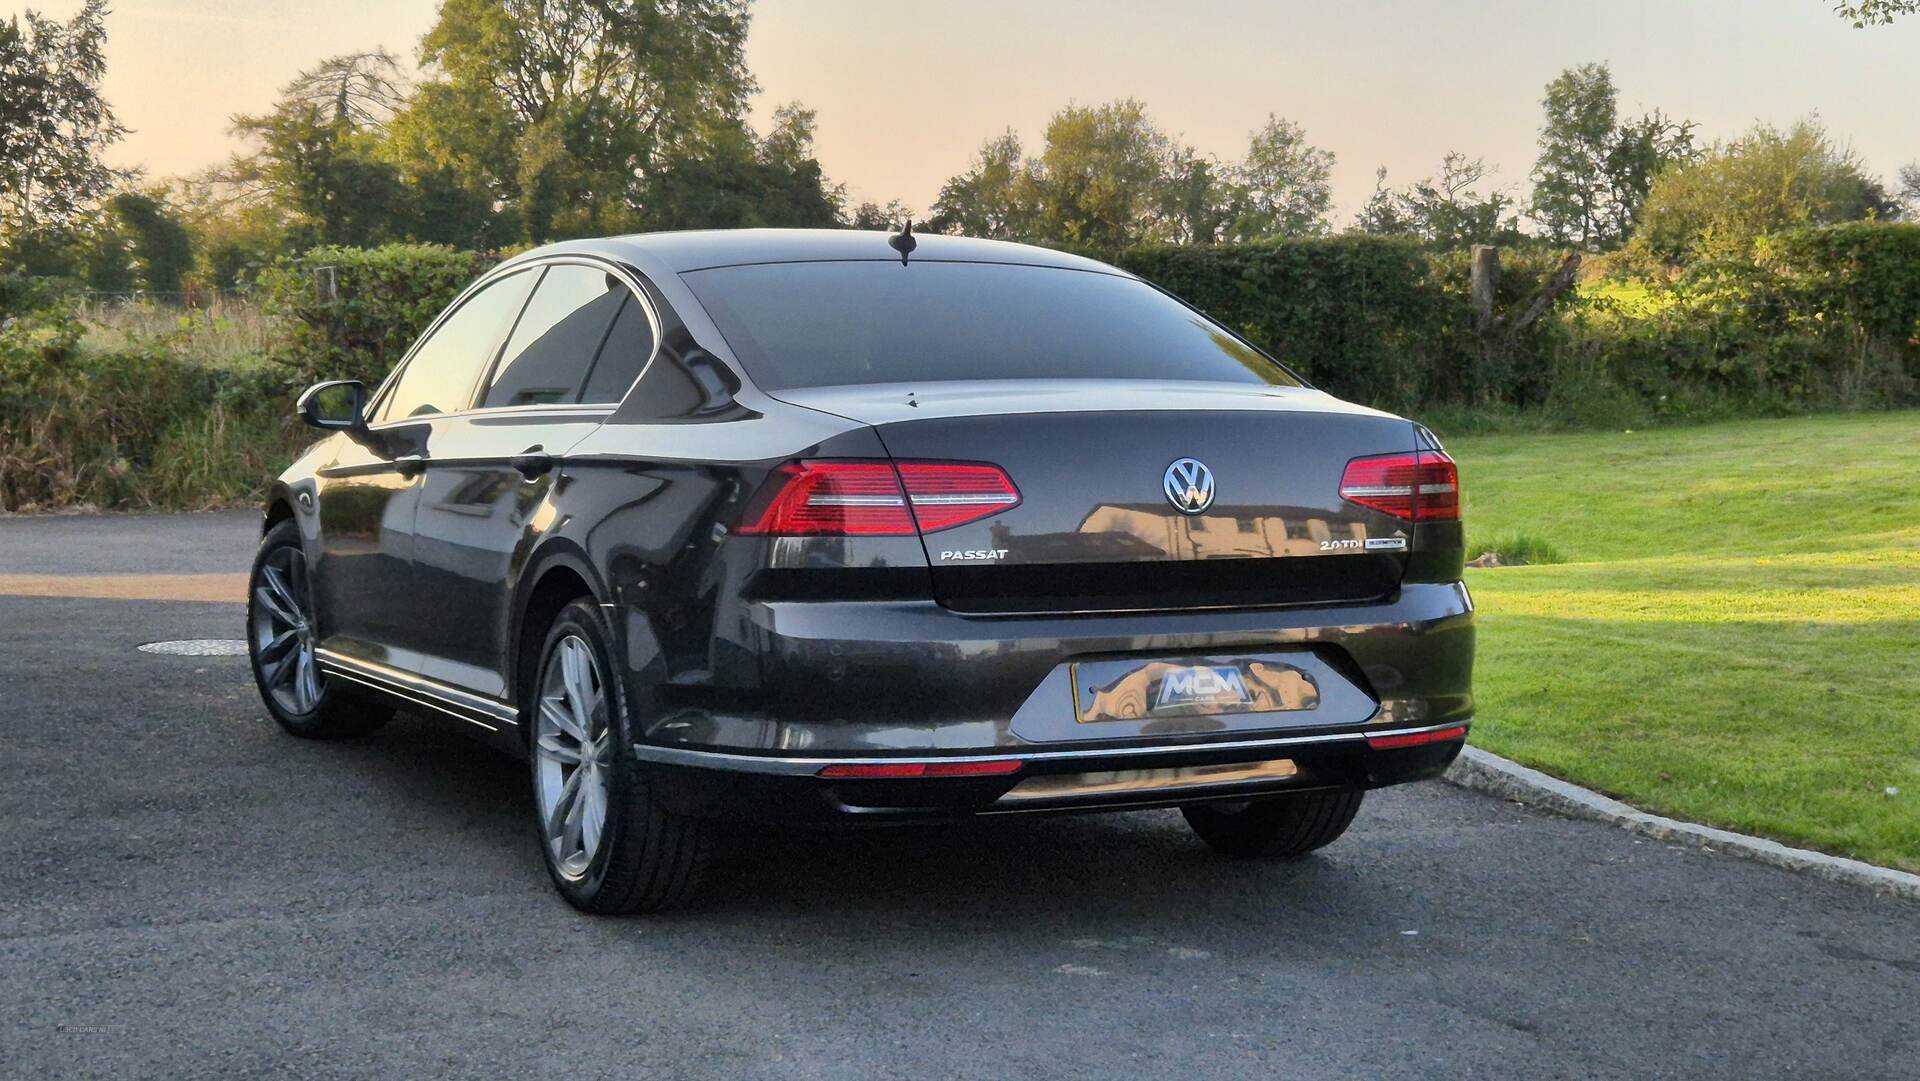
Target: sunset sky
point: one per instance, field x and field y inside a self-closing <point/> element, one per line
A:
<point x="907" y="89"/>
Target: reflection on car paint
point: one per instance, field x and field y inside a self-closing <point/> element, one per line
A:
<point x="1142" y="689"/>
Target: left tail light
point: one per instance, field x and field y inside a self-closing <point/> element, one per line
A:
<point x="877" y="499"/>
<point x="1423" y="486"/>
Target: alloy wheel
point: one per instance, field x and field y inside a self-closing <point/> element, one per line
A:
<point x="572" y="742"/>
<point x="282" y="635"/>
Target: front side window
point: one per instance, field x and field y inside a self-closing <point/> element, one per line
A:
<point x="440" y="376"/>
<point x="831" y="324"/>
<point x="552" y="349"/>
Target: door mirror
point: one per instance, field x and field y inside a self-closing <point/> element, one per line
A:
<point x="336" y="406"/>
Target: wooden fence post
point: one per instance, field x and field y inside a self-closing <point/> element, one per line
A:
<point x="1498" y="333"/>
<point x="326" y="287"/>
<point x="1484" y="282"/>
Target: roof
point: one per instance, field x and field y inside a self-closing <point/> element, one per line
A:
<point x="697" y="249"/>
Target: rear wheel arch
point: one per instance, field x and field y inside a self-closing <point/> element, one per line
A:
<point x="552" y="581"/>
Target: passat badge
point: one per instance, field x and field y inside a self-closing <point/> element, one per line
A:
<point x="1189" y="486"/>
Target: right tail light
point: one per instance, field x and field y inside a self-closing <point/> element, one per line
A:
<point x="1421" y="486"/>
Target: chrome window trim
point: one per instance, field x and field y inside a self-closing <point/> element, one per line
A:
<point x="378" y="399"/>
<point x="627" y="277"/>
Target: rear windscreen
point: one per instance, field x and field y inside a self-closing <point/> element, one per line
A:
<point x="834" y="324"/>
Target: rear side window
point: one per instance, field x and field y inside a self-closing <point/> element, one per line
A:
<point x="440" y="376"/>
<point x="830" y="324"/>
<point x="628" y="347"/>
<point x="554" y="344"/>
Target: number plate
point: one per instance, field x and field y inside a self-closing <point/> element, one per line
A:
<point x="1134" y="689"/>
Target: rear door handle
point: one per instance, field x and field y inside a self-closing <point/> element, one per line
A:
<point x="410" y="465"/>
<point x="532" y="462"/>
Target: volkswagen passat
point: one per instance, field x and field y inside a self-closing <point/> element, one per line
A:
<point x="847" y="527"/>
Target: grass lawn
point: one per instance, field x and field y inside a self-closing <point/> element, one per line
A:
<point x="1630" y="298"/>
<point x="1735" y="636"/>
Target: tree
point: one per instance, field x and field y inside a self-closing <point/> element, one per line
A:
<point x="1593" y="172"/>
<point x="873" y="216"/>
<point x="563" y="109"/>
<point x="1204" y="200"/>
<point x="1762" y="182"/>
<point x="1642" y="149"/>
<point x="326" y="172"/>
<point x="234" y="240"/>
<point x="1102" y="178"/>
<point x="157" y="240"/>
<point x="1447" y="210"/>
<point x="1909" y="194"/>
<point x="1283" y="184"/>
<point x="363" y="89"/>
<point x="736" y="179"/>
<point x="1864" y="13"/>
<point x="320" y="158"/>
<point x="54" y="123"/>
<point x="994" y="198"/>
<point x="1382" y="215"/>
<point x="1571" y="185"/>
<point x="1107" y="177"/>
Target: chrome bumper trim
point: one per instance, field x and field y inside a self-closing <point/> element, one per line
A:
<point x="802" y="767"/>
<point x="1145" y="783"/>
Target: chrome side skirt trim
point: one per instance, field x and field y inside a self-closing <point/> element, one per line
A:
<point x="419" y="690"/>
<point x="801" y="767"/>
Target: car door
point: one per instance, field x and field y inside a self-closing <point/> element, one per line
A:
<point x="367" y="496"/>
<point x="577" y="348"/>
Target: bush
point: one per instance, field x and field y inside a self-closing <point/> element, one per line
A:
<point x="142" y="425"/>
<point x="384" y="297"/>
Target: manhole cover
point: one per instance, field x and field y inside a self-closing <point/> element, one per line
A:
<point x="198" y="647"/>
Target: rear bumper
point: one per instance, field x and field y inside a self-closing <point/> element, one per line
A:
<point x="841" y="678"/>
<point x="794" y="687"/>
<point x="791" y="789"/>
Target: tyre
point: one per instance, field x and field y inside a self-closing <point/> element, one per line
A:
<point x="281" y="634"/>
<point x="608" y="846"/>
<point x="1286" y="827"/>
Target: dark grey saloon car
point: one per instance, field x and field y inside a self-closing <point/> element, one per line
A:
<point x="842" y="527"/>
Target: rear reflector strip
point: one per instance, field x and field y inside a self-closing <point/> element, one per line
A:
<point x="897" y="770"/>
<point x="1416" y="739"/>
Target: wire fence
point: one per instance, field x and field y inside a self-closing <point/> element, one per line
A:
<point x="182" y="298"/>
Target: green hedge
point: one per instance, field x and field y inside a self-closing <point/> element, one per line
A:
<point x="383" y="298"/>
<point x="1864" y="276"/>
<point x="1363" y="316"/>
<point x="1381" y="320"/>
<point x="1825" y="318"/>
